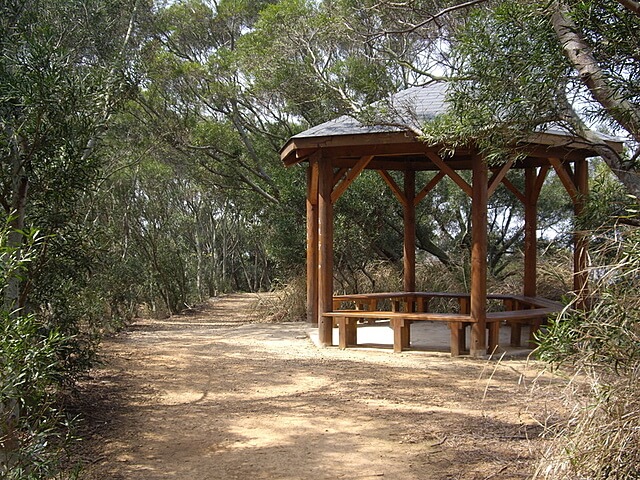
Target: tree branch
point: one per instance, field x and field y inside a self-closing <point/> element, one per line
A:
<point x="582" y="59"/>
<point x="434" y="17"/>
<point x="631" y="5"/>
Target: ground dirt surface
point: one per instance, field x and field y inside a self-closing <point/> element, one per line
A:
<point x="221" y="394"/>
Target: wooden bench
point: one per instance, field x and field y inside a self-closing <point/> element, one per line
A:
<point x="347" y="321"/>
<point x="520" y="310"/>
<point x="530" y="311"/>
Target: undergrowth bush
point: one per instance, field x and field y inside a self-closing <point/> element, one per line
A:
<point x="601" y="346"/>
<point x="33" y="431"/>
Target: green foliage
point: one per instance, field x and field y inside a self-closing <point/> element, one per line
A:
<point x="510" y="77"/>
<point x="612" y="32"/>
<point x="303" y="54"/>
<point x="31" y="371"/>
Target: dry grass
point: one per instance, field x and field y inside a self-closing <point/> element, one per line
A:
<point x="601" y="438"/>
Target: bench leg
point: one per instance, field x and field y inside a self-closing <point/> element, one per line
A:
<point x="400" y="334"/>
<point x="516" y="333"/>
<point x="534" y="327"/>
<point x="347" y="332"/>
<point x="458" y="338"/>
<point x="494" y="336"/>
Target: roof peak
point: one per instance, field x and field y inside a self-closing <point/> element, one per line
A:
<point x="404" y="110"/>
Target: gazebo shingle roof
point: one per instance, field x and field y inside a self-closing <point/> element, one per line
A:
<point x="405" y="110"/>
<point x="408" y="110"/>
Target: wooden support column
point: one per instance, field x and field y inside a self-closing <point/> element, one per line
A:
<point x="530" y="232"/>
<point x="409" y="232"/>
<point x="479" y="200"/>
<point x="581" y="241"/>
<point x="312" y="241"/>
<point x="325" y="251"/>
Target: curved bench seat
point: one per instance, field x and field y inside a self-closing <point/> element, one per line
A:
<point x="408" y="307"/>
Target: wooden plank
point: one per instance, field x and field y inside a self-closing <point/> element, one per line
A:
<point x="565" y="178"/>
<point x="313" y="178"/>
<point x="435" y="158"/>
<point x="397" y="191"/>
<point x="516" y="327"/>
<point x="342" y="332"/>
<point x="287" y="154"/>
<point x="457" y="338"/>
<point x="397" y="324"/>
<point x="521" y="315"/>
<point x="428" y="187"/>
<point x="513" y="189"/>
<point x="412" y="316"/>
<point x="497" y="177"/>
<point x="401" y="163"/>
<point x="351" y="176"/>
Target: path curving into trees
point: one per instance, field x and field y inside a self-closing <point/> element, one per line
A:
<point x="218" y="394"/>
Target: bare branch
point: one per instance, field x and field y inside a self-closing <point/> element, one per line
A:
<point x="434" y="17"/>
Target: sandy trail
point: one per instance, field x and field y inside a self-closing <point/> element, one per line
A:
<point x="215" y="396"/>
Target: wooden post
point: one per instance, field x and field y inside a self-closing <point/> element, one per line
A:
<point x="409" y="218"/>
<point x="409" y="232"/>
<point x="479" y="200"/>
<point x="325" y="251"/>
<point x="530" y="232"/>
<point x="581" y="242"/>
<point x="312" y="241"/>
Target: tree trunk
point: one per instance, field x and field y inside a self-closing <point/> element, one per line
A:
<point x="626" y="114"/>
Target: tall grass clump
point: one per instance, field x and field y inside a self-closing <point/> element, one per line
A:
<point x="601" y="347"/>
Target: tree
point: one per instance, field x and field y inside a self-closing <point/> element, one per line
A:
<point x="62" y="72"/>
<point x="519" y="66"/>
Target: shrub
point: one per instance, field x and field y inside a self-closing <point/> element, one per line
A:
<point x="31" y="437"/>
<point x="601" y="439"/>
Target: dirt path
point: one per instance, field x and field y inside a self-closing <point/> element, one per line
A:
<point x="213" y="396"/>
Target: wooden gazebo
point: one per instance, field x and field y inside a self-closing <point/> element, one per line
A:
<point x="336" y="152"/>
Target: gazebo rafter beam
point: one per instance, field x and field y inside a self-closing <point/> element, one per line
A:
<point x="461" y="182"/>
<point x="498" y="175"/>
<point x="566" y="177"/>
<point x="351" y="176"/>
<point x="395" y="188"/>
<point x="428" y="187"/>
<point x="542" y="175"/>
<point x="339" y="175"/>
